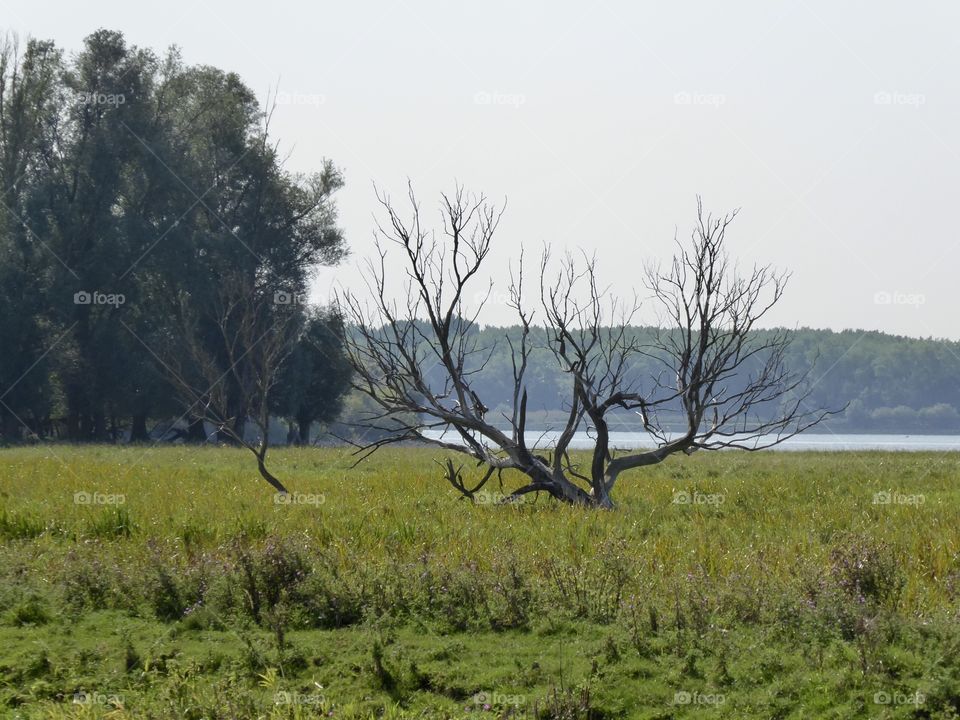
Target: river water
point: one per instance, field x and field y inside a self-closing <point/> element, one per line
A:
<point x="805" y="441"/>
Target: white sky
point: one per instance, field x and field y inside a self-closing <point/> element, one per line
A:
<point x="834" y="126"/>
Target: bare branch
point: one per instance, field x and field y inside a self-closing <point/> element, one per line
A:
<point x="418" y="358"/>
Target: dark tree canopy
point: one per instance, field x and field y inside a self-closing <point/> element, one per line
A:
<point x="315" y="377"/>
<point x="152" y="240"/>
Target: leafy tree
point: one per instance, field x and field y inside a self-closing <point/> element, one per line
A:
<point x="91" y="158"/>
<point x="28" y="105"/>
<point x="139" y="193"/>
<point x="315" y="376"/>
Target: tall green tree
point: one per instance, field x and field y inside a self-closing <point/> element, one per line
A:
<point x="93" y="160"/>
<point x="139" y="192"/>
<point x="28" y="106"/>
<point x="315" y="377"/>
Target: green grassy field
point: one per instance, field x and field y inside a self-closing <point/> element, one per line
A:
<point x="724" y="586"/>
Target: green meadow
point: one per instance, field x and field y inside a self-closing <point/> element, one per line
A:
<point x="167" y="582"/>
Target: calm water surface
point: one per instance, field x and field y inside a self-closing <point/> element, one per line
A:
<point x="806" y="441"/>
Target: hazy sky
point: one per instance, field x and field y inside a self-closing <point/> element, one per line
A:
<point x="834" y="126"/>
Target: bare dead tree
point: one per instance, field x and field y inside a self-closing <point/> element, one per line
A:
<point x="418" y="358"/>
<point x="228" y="382"/>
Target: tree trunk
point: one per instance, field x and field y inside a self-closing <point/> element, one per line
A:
<point x="557" y="486"/>
<point x="268" y="476"/>
<point x="138" y="428"/>
<point x="601" y="496"/>
<point x="574" y="494"/>
<point x="303" y="424"/>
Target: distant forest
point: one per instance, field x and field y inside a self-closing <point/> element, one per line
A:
<point x="889" y="384"/>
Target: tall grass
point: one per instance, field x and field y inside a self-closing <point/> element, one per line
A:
<point x="819" y="547"/>
<point x="750" y="516"/>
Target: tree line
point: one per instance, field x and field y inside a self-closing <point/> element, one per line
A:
<point x="155" y="253"/>
<point x="888" y="383"/>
